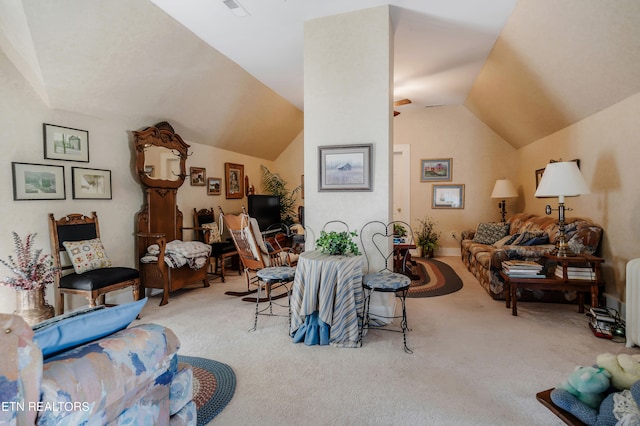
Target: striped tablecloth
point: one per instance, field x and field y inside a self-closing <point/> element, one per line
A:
<point x="331" y="285"/>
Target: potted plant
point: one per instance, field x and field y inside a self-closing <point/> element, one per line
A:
<point x="275" y="185"/>
<point x="426" y="236"/>
<point x="33" y="272"/>
<point x="399" y="233"/>
<point x="337" y="243"/>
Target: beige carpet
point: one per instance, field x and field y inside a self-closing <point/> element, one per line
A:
<point x="473" y="363"/>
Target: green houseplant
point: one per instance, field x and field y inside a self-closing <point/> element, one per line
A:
<point x="337" y="243"/>
<point x="426" y="236"/>
<point x="275" y="185"/>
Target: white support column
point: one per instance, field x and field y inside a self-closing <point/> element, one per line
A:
<point x="348" y="85"/>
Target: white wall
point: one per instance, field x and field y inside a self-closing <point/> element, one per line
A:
<point x="110" y="143"/>
<point x="608" y="146"/>
<point x="348" y="73"/>
<point x="479" y="157"/>
<point x="22" y="114"/>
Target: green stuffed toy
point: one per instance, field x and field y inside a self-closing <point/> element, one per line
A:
<point x="588" y="385"/>
<point x="624" y="369"/>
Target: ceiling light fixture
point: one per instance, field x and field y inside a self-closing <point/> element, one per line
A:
<point x="236" y="8"/>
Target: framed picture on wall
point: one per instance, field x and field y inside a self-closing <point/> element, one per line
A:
<point x="37" y="182"/>
<point x="234" y="180"/>
<point x="345" y="168"/>
<point x="198" y="176"/>
<point x="448" y="197"/>
<point x="91" y="184"/>
<point x="214" y="186"/>
<point x="436" y="169"/>
<point x="540" y="172"/>
<point x="65" y="143"/>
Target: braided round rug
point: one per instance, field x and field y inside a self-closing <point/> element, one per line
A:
<point x="435" y="278"/>
<point x="213" y="386"/>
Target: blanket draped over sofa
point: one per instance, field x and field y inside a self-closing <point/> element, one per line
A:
<point x="524" y="237"/>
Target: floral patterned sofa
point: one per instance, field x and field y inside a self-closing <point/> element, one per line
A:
<point x="524" y="237"/>
<point x="128" y="377"/>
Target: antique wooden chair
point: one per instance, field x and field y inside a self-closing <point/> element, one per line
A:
<point x="271" y="267"/>
<point x="85" y="269"/>
<point x="208" y="231"/>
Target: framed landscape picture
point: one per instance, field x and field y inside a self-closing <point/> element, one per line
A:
<point x="234" y="180"/>
<point x="448" y="197"/>
<point x="345" y="168"/>
<point x="436" y="169"/>
<point x="65" y="143"/>
<point x="91" y="184"/>
<point x="214" y="186"/>
<point x="37" y="182"/>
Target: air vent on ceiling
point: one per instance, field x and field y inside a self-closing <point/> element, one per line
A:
<point x="235" y="7"/>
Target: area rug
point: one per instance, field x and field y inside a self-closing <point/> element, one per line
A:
<point x="434" y="278"/>
<point x="213" y="386"/>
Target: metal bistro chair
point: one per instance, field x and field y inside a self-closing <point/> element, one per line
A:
<point x="380" y="246"/>
<point x="271" y="270"/>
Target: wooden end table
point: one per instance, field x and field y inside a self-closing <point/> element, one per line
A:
<point x="553" y="282"/>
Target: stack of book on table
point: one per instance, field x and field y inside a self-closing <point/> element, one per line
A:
<point x="522" y="269"/>
<point x="576" y="272"/>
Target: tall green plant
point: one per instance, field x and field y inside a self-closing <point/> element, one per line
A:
<point x="275" y="185"/>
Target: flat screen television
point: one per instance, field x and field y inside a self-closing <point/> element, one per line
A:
<point x="265" y="209"/>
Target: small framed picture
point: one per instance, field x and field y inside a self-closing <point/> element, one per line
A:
<point x="65" y="143"/>
<point x="448" y="197"/>
<point x="539" y="173"/>
<point x="345" y="168"/>
<point x="198" y="176"/>
<point x="214" y="186"/>
<point x="234" y="180"/>
<point x="436" y="169"/>
<point x="37" y="182"/>
<point x="91" y="184"/>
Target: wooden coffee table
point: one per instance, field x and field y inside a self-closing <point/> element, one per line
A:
<point x="552" y="282"/>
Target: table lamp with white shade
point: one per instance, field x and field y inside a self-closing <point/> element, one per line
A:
<point x="562" y="179"/>
<point x="503" y="189"/>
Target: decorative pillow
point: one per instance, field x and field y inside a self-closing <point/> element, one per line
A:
<point x="489" y="233"/>
<point x="502" y="241"/>
<point x="526" y="236"/>
<point x="87" y="255"/>
<point x="537" y="241"/>
<point x="68" y="331"/>
<point x="511" y="239"/>
<point x="211" y="233"/>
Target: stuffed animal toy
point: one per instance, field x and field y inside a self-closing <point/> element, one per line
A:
<point x="588" y="385"/>
<point x="624" y="369"/>
<point x="616" y="408"/>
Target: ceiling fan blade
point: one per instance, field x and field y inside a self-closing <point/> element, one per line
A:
<point x="402" y="102"/>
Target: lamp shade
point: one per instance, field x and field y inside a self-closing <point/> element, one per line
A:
<point x="504" y="189"/>
<point x="562" y="179"/>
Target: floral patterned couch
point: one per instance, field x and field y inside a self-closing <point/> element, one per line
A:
<point x="531" y="237"/>
<point x="129" y="377"/>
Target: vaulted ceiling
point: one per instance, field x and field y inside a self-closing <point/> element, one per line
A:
<point x="527" y="68"/>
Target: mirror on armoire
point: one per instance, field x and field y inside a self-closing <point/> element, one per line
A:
<point x="161" y="169"/>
